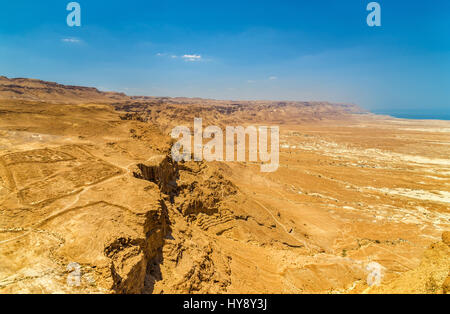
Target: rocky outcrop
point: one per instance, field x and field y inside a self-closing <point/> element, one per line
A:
<point x="202" y="190"/>
<point x="160" y="170"/>
<point x="195" y="195"/>
<point x="193" y="187"/>
<point x="131" y="257"/>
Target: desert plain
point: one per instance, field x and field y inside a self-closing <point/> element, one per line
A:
<point x="88" y="185"/>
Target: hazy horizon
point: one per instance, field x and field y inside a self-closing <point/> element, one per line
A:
<point x="265" y="50"/>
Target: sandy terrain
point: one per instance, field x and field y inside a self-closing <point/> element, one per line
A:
<point x="86" y="177"/>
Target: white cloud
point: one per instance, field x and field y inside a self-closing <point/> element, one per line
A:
<point x="273" y="78"/>
<point x="186" y="57"/>
<point x="71" y="40"/>
<point x="192" y="58"/>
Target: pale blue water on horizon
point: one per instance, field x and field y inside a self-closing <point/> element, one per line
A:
<point x="415" y="115"/>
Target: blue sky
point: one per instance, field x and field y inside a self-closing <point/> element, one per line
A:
<point x="281" y="50"/>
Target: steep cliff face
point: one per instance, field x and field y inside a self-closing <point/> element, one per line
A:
<point x="190" y="261"/>
<point x="160" y="170"/>
<point x="192" y="187"/>
<point x="130" y="257"/>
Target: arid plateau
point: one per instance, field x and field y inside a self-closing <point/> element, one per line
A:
<point x="87" y="178"/>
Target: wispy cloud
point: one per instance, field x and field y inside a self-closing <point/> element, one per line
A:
<point x="192" y="58"/>
<point x="186" y="57"/>
<point x="273" y="78"/>
<point x="71" y="40"/>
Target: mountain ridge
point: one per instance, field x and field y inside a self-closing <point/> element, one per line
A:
<point x="36" y="89"/>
